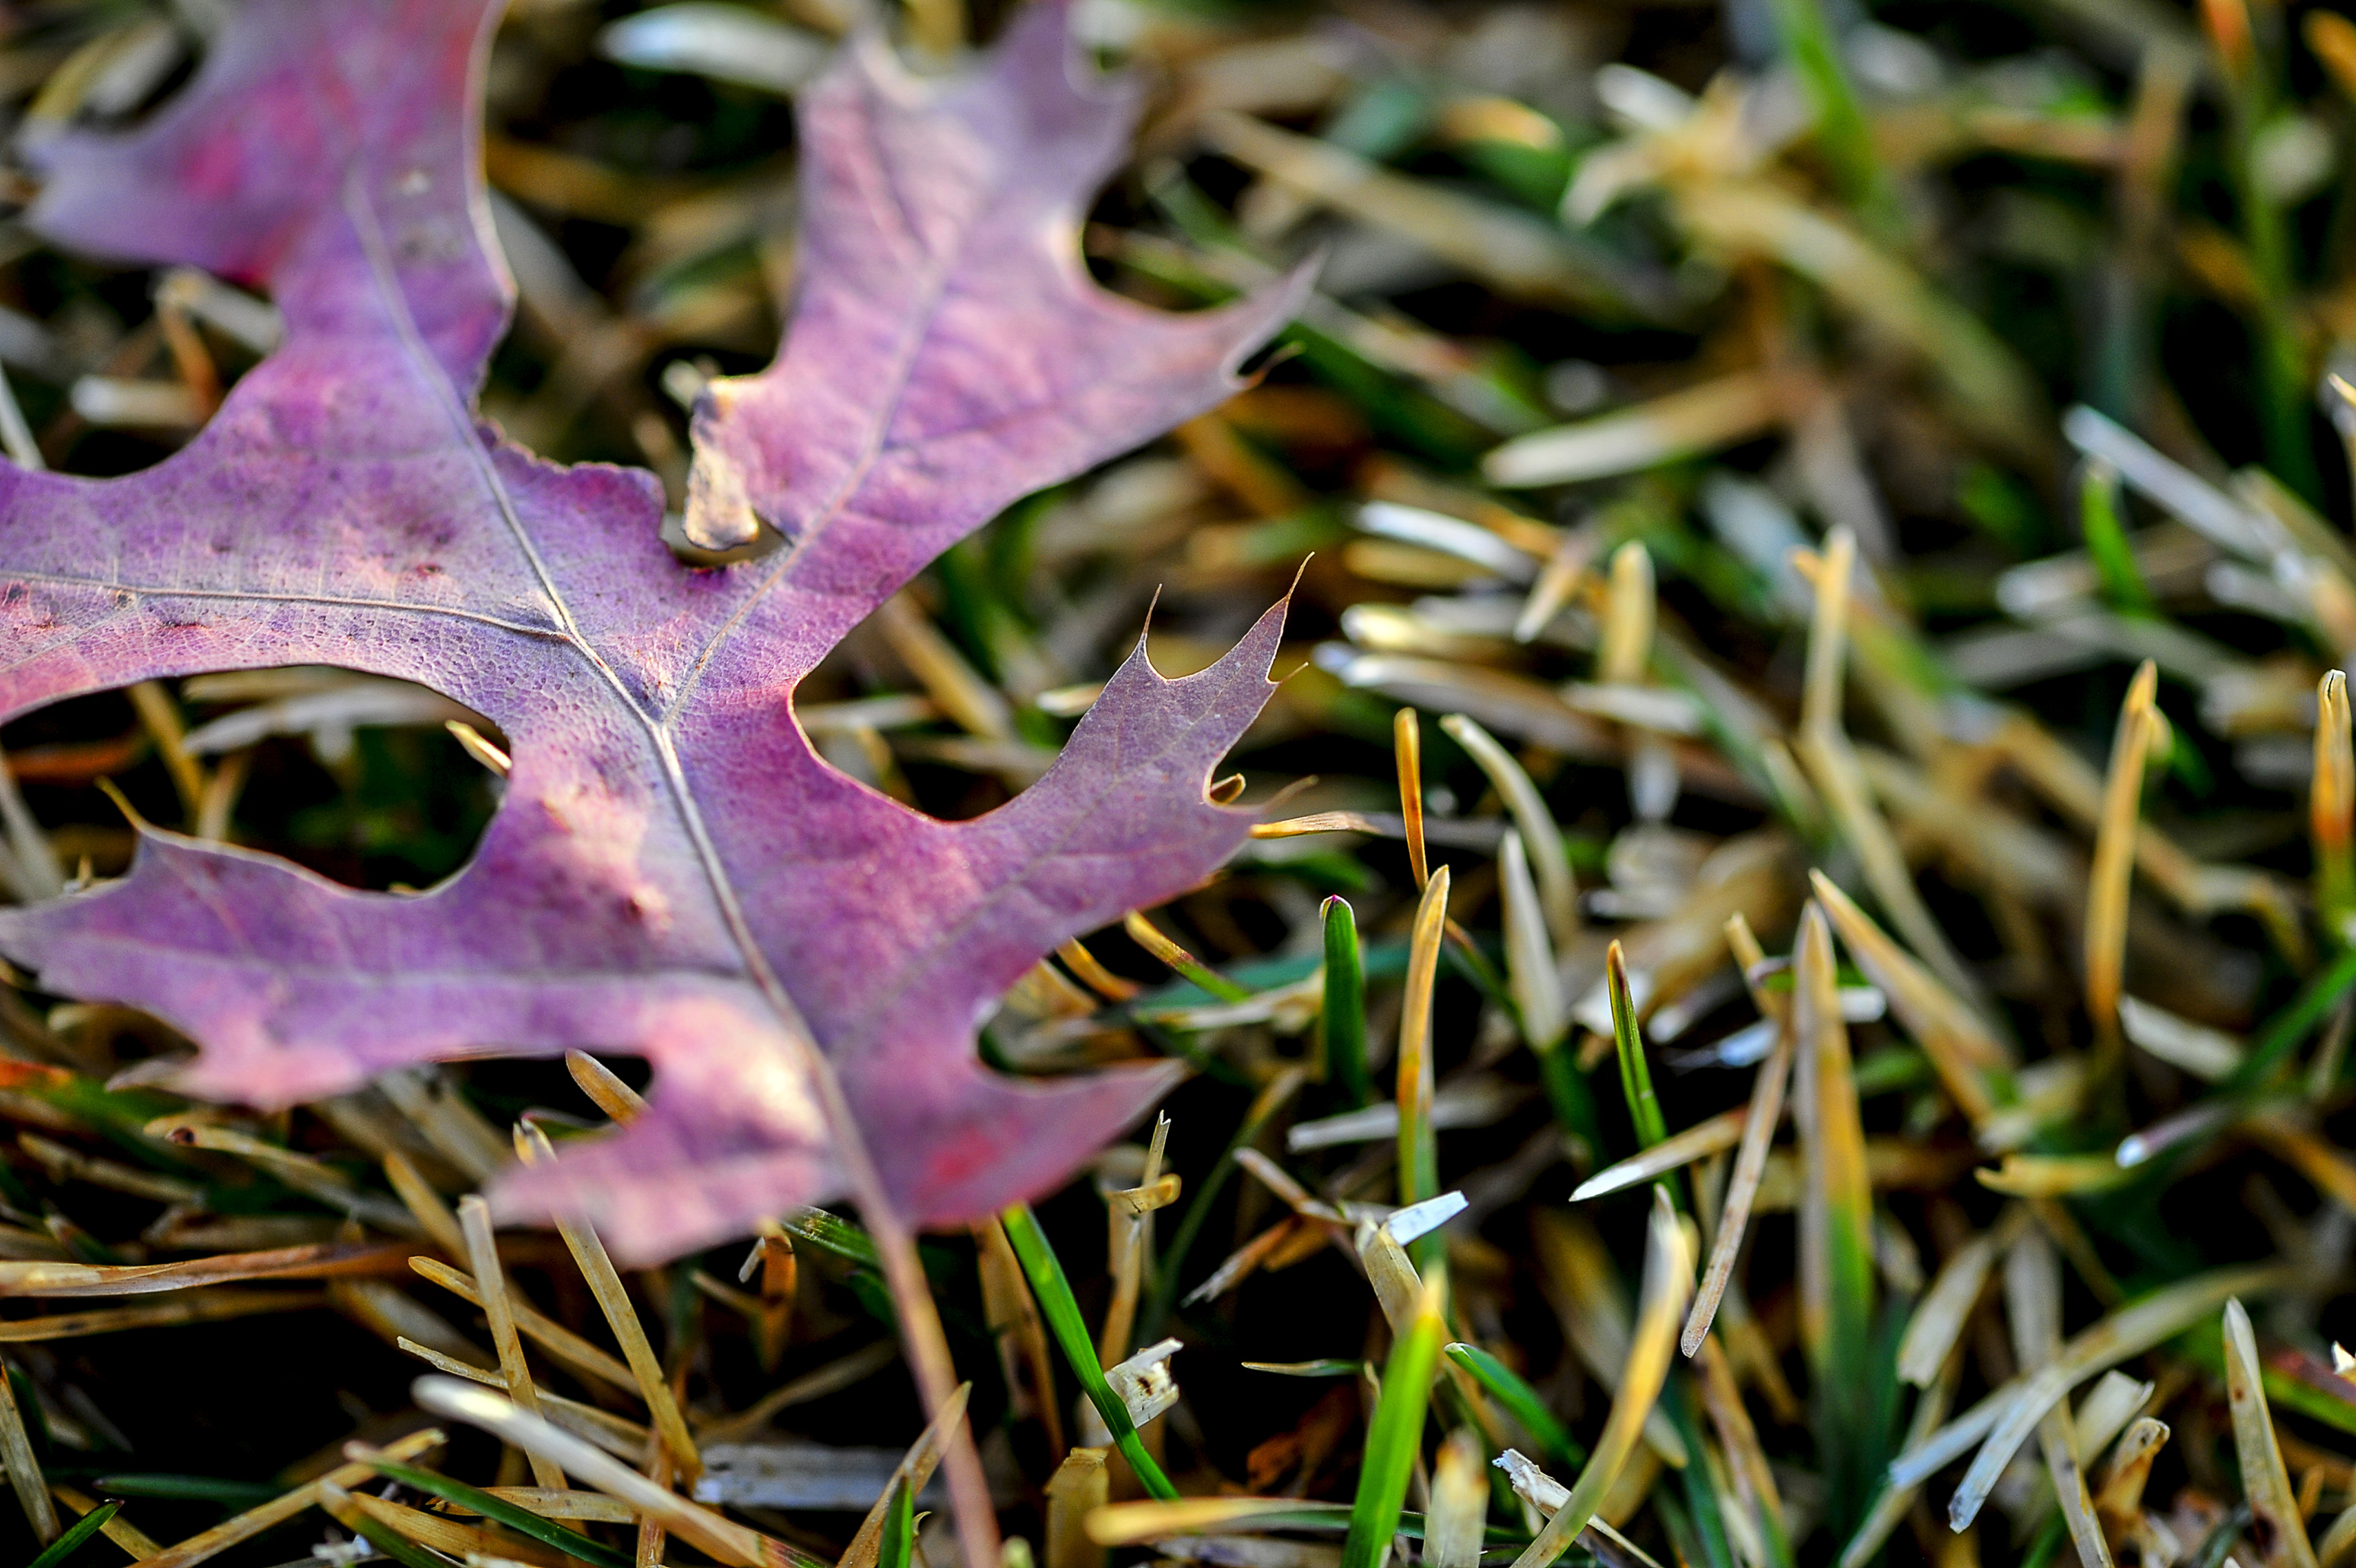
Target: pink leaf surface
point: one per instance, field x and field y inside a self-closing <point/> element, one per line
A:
<point x="672" y="871"/>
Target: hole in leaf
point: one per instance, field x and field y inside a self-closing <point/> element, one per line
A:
<point x="357" y="777"/>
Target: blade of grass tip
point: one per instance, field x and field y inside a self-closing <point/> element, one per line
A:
<point x="71" y="1541"/>
<point x="2032" y="1287"/>
<point x="1668" y="1276"/>
<point x="605" y="1282"/>
<point x="1342" y="1023"/>
<point x="491" y="1280"/>
<point x="24" y="1469"/>
<point x="1407" y="749"/>
<point x="1635" y="1076"/>
<point x="1961" y="1047"/>
<point x="618" y="1101"/>
<point x="1395" y="1435"/>
<point x="210" y="1543"/>
<point x="1629" y="613"/>
<point x="2331" y="806"/>
<point x="417" y="1195"/>
<point x="1766" y="1111"/>
<point x="2107" y="883"/>
<point x="1823" y="746"/>
<point x="1521" y="1402"/>
<point x="1453" y="1526"/>
<point x="1145" y="934"/>
<point x="515" y="1517"/>
<point x="1419" y="1158"/>
<point x="2008" y="1415"/>
<point x="1836" y="1201"/>
<point x="1053" y="1294"/>
<point x="721" y="1537"/>
<point x="1091" y="972"/>
<point x="1530" y="973"/>
<point x="2264" y="1480"/>
<point x="1558" y="894"/>
<point x="1080" y="1486"/>
<point x="2118" y="1504"/>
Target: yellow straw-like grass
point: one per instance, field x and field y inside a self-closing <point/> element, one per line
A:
<point x="1407" y="750"/>
<point x="2106" y="886"/>
<point x="2273" y="1504"/>
<point x="491" y="1279"/>
<point x="605" y="1283"/>
<point x="1668" y="1276"/>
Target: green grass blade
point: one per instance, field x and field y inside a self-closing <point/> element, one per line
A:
<point x="1636" y="1076"/>
<point x="899" y="1529"/>
<point x="520" y="1520"/>
<point x="1842" y="136"/>
<point x="65" y="1546"/>
<point x="1522" y="1402"/>
<point x="202" y="1488"/>
<point x="1343" y="1020"/>
<point x="2106" y="540"/>
<point x="1053" y="1293"/>
<point x="1395" y="1436"/>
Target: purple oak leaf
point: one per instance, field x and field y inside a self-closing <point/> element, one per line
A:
<point x="672" y="872"/>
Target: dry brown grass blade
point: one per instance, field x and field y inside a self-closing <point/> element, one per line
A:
<point x="1453" y="1525"/>
<point x="618" y="1101"/>
<point x="1417" y="1078"/>
<point x="2119" y="1502"/>
<point x="1712" y="1135"/>
<point x="1696" y="419"/>
<point x="324" y="1261"/>
<point x="1531" y="972"/>
<point x="464" y="1541"/>
<point x="1012" y="1315"/>
<point x="1668" y="1276"/>
<point x="1836" y="1201"/>
<point x="721" y="1538"/>
<point x="590" y="1508"/>
<point x="1944" y="1309"/>
<point x="1091" y="971"/>
<point x="118" y="1530"/>
<point x="1407" y="750"/>
<point x="24" y="1468"/>
<point x="491" y="1280"/>
<point x="2009" y="1414"/>
<point x="2033" y="1280"/>
<point x="558" y="1341"/>
<point x="915" y="1468"/>
<point x="196" y="1306"/>
<point x="1129" y="1218"/>
<point x="1951" y="1034"/>
<point x="1754" y="1481"/>
<point x="2273" y="1505"/>
<point x="2106" y="886"/>
<point x="613" y="1300"/>
<point x="1558" y="894"/>
<point x="1765" y="1110"/>
<point x="312" y="1177"/>
<point x="1080" y="1486"/>
<point x="432" y="1216"/>
<point x="244" y="1527"/>
<point x="1823" y="746"/>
